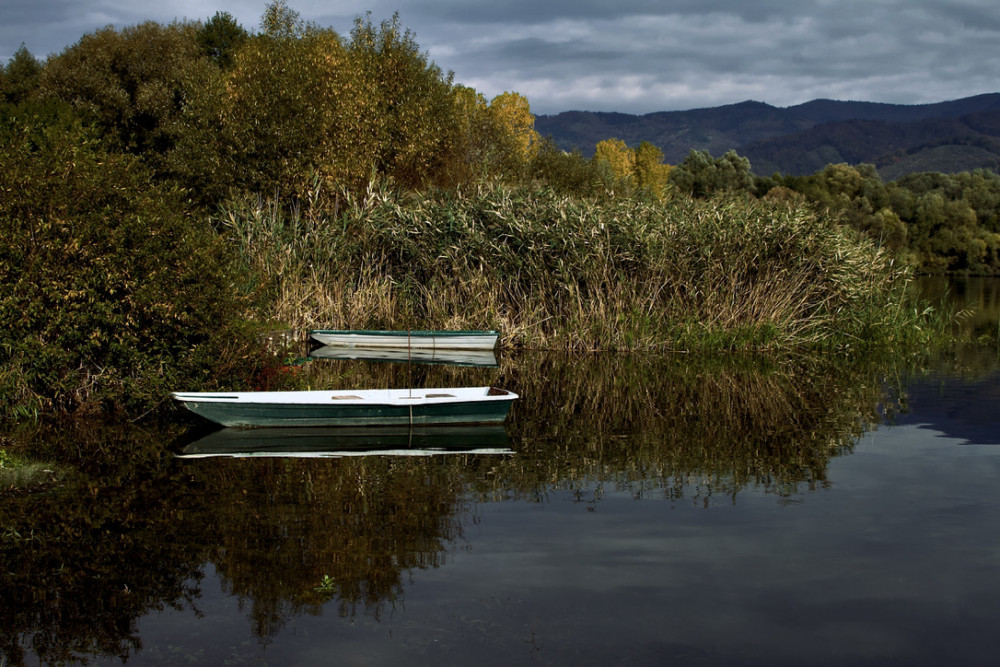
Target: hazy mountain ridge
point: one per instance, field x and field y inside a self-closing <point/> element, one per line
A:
<point x="956" y="135"/>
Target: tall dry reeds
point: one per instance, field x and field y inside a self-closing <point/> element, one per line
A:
<point x="557" y="272"/>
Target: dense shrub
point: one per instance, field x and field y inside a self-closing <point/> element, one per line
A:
<point x="111" y="295"/>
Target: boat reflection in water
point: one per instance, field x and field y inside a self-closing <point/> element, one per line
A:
<point x="337" y="442"/>
<point x="478" y="358"/>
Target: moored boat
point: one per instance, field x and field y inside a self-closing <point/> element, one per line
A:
<point x="369" y="407"/>
<point x="443" y="340"/>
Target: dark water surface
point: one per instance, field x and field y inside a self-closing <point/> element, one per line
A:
<point x="651" y="511"/>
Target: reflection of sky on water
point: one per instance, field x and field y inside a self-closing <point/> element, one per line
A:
<point x="968" y="410"/>
<point x="896" y="560"/>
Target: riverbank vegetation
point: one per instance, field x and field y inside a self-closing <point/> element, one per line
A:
<point x="170" y="191"/>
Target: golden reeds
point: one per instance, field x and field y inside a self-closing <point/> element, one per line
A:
<point x="558" y="272"/>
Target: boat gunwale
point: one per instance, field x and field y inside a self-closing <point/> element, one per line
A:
<point x="419" y="333"/>
<point x="351" y="397"/>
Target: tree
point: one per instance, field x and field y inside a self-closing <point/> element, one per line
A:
<point x="469" y="147"/>
<point x="619" y="159"/>
<point x="651" y="174"/>
<point x="220" y="38"/>
<point x="409" y="101"/>
<point x="514" y="136"/>
<point x="702" y="176"/>
<point x="133" y="84"/>
<point x="292" y="110"/>
<point x="112" y="294"/>
<point x="281" y="22"/>
<point x="20" y="77"/>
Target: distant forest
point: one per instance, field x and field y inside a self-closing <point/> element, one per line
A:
<point x="949" y="137"/>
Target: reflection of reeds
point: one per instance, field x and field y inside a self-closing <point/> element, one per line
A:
<point x="549" y="271"/>
<point x="667" y="419"/>
<point x="741" y="420"/>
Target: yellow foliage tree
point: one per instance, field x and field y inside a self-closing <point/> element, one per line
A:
<point x="651" y="174"/>
<point x="619" y="158"/>
<point x="294" y="109"/>
<point x="469" y="146"/>
<point x="634" y="169"/>
<point x="411" y="110"/>
<point x="514" y="132"/>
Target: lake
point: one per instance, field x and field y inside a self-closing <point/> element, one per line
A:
<point x="634" y="510"/>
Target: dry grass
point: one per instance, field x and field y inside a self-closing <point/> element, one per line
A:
<point x="555" y="272"/>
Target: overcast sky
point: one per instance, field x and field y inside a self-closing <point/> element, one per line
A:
<point x="635" y="56"/>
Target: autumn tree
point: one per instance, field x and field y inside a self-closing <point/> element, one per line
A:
<point x="281" y="21"/>
<point x="514" y="138"/>
<point x="651" y="173"/>
<point x="619" y="159"/>
<point x="112" y="294"/>
<point x="469" y="147"/>
<point x="633" y="170"/>
<point x="409" y="103"/>
<point x="291" y="112"/>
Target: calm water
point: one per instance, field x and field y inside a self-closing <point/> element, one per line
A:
<point x="650" y="511"/>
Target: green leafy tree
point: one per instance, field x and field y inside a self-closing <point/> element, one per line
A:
<point x="220" y="38"/>
<point x="568" y="173"/>
<point x="133" y="84"/>
<point x="20" y="77"/>
<point x="701" y="175"/>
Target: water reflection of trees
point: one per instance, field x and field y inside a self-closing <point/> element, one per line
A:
<point x="133" y="531"/>
<point x="80" y="564"/>
<point x="283" y="525"/>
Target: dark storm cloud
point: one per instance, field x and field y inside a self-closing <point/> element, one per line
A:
<point x="632" y="55"/>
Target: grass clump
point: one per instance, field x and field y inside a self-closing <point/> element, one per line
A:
<point x="562" y="272"/>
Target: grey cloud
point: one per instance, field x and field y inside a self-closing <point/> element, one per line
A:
<point x="637" y="55"/>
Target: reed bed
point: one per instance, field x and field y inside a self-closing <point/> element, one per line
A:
<point x="550" y="271"/>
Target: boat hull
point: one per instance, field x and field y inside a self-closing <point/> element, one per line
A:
<point x="465" y="405"/>
<point x="435" y="340"/>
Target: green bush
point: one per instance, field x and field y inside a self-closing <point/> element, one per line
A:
<point x="110" y="293"/>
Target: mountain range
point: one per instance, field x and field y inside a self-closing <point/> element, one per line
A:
<point x="953" y="136"/>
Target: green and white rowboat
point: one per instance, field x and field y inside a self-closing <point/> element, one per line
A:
<point x="370" y="407"/>
<point x="434" y="340"/>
